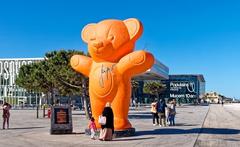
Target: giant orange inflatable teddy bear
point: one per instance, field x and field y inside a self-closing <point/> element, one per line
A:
<point x="112" y="65"/>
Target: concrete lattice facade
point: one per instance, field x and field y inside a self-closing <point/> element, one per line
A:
<point x="9" y="91"/>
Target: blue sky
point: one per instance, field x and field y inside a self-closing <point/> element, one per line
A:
<point x="189" y="36"/>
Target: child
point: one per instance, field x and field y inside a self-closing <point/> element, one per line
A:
<point x="92" y="127"/>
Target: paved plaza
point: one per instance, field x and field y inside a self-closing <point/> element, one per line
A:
<point x="221" y="127"/>
<point x="212" y="125"/>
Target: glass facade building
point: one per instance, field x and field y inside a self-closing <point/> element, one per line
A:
<point x="9" y="91"/>
<point x="158" y="72"/>
<point x="185" y="88"/>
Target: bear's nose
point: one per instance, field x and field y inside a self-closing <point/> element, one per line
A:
<point x="97" y="44"/>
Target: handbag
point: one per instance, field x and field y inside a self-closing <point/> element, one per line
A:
<point x="102" y="120"/>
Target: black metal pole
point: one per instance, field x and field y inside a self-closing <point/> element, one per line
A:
<point x="44" y="111"/>
<point x="37" y="111"/>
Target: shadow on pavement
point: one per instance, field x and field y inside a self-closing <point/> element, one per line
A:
<point x="184" y="124"/>
<point x="132" y="139"/>
<point x="24" y="128"/>
<point x="170" y="131"/>
<point x="137" y="116"/>
<point x="219" y="131"/>
<point x="231" y="139"/>
<point x="73" y="133"/>
<point x="78" y="133"/>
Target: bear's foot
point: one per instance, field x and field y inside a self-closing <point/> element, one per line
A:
<point x="121" y="124"/>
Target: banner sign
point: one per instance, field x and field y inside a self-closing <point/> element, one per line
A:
<point x="182" y="89"/>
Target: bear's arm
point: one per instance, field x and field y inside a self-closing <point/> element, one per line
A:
<point x="81" y="64"/>
<point x="135" y="63"/>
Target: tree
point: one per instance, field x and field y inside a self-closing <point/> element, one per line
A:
<point x="135" y="86"/>
<point x="54" y="75"/>
<point x="32" y="77"/>
<point x="60" y="70"/>
<point x="153" y="88"/>
<point x="25" y="77"/>
<point x="68" y="81"/>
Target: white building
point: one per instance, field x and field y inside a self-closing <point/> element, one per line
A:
<point x="9" y="91"/>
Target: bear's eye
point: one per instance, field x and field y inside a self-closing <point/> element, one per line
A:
<point x="93" y="38"/>
<point x="110" y="37"/>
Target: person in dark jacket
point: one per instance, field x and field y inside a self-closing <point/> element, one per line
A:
<point x="6" y="114"/>
<point x="161" y="105"/>
<point x="107" y="129"/>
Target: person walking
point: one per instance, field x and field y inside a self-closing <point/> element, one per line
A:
<point x="154" y="113"/>
<point x="6" y="114"/>
<point x="92" y="127"/>
<point x="107" y="129"/>
<point x="161" y="105"/>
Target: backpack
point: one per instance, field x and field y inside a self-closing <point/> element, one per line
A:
<point x="161" y="107"/>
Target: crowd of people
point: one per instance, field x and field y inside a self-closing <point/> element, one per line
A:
<point x="163" y="114"/>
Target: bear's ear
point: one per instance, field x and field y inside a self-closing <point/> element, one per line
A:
<point x="134" y="27"/>
<point x="89" y="32"/>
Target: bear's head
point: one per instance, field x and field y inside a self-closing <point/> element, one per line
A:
<point x="110" y="40"/>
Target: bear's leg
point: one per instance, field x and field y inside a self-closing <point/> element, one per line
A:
<point x="97" y="107"/>
<point x="120" y="111"/>
<point x="120" y="106"/>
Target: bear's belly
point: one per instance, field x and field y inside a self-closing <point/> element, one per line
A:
<point x="103" y="82"/>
